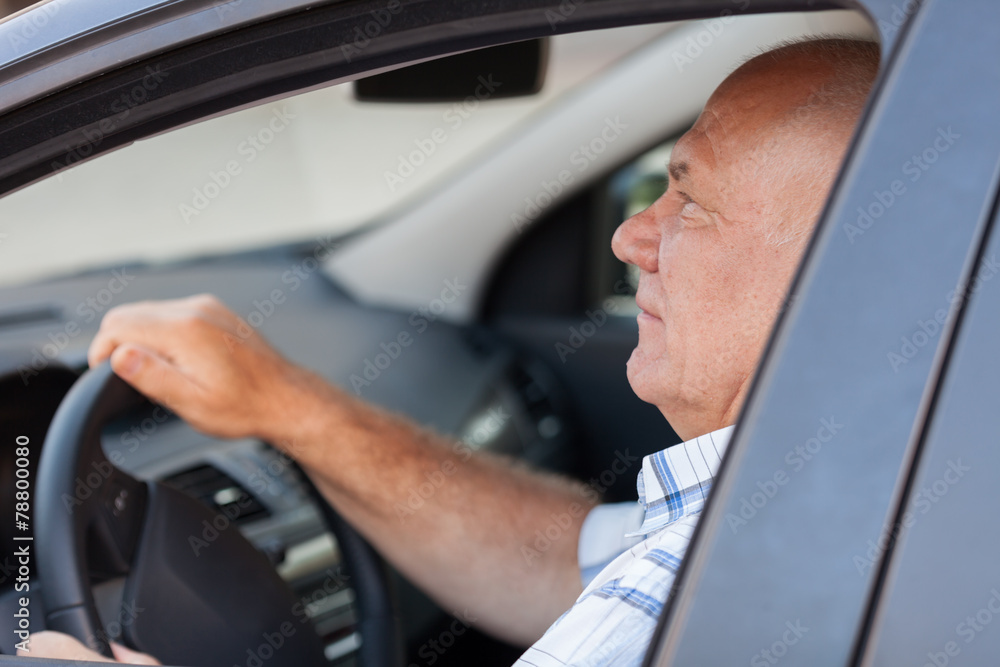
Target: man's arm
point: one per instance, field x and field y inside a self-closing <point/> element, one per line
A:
<point x="463" y="545"/>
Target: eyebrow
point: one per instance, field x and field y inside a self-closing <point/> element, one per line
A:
<point x="678" y="170"/>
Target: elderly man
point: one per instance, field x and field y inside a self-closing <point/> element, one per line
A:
<point x="715" y="253"/>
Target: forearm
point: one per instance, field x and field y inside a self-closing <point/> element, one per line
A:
<point x="484" y="536"/>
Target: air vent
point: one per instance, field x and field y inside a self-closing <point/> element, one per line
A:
<point x="219" y="491"/>
<point x="23" y="316"/>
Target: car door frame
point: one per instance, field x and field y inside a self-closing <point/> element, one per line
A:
<point x="40" y="136"/>
<point x="774" y="556"/>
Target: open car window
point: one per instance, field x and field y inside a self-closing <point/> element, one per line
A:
<point x="454" y="199"/>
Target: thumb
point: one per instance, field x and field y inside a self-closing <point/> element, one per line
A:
<point x="130" y="657"/>
<point x="49" y="644"/>
<point x="151" y="374"/>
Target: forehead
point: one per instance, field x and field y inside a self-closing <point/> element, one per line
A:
<point x="701" y="160"/>
<point x="728" y="143"/>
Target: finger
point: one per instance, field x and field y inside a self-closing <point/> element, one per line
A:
<point x="130" y="657"/>
<point x="155" y="377"/>
<point x="49" y="644"/>
<point x="141" y="322"/>
<point x="156" y="323"/>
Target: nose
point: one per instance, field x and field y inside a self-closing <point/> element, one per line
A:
<point x="637" y="240"/>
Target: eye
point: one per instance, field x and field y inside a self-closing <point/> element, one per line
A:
<point x="689" y="206"/>
<point x="692" y="213"/>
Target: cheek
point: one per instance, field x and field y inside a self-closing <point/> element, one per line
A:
<point x="689" y="278"/>
<point x="713" y="305"/>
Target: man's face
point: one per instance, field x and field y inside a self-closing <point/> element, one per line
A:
<point x="711" y="283"/>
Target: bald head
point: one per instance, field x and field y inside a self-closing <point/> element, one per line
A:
<point x="838" y="75"/>
<point x="797" y="106"/>
<point x="717" y="251"/>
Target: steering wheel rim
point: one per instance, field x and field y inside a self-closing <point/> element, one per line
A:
<point x="119" y="526"/>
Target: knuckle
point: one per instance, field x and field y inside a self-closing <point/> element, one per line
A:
<point x="193" y="324"/>
<point x="113" y="318"/>
<point x="122" y="314"/>
<point x="205" y="302"/>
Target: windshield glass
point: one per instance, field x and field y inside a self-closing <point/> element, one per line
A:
<point x="337" y="164"/>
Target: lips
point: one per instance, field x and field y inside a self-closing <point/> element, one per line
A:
<point x="643" y="300"/>
<point x="644" y="307"/>
<point x="646" y="312"/>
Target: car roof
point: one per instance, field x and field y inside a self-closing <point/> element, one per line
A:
<point x="60" y="42"/>
<point x="56" y="43"/>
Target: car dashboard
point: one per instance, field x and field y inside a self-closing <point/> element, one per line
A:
<point x="460" y="381"/>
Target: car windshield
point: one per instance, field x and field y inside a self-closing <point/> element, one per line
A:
<point x="321" y="162"/>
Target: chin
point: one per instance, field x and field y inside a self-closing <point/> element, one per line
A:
<point x="643" y="377"/>
<point x="650" y="380"/>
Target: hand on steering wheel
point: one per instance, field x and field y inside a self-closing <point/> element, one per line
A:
<point x="199" y="608"/>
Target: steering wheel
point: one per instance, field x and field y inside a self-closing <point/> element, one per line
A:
<point x="218" y="605"/>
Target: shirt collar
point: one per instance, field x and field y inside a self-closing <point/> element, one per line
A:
<point x="675" y="481"/>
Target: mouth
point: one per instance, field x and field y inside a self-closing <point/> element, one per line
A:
<point x="644" y="301"/>
<point x="646" y="314"/>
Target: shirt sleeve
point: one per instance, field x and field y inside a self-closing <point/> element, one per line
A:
<point x="602" y="536"/>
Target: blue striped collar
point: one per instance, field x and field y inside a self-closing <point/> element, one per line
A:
<point x="675" y="481"/>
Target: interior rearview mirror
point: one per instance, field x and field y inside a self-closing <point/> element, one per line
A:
<point x="508" y="70"/>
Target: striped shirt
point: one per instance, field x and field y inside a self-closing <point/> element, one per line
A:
<point x="629" y="555"/>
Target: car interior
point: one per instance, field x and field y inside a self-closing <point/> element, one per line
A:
<point x="434" y="239"/>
